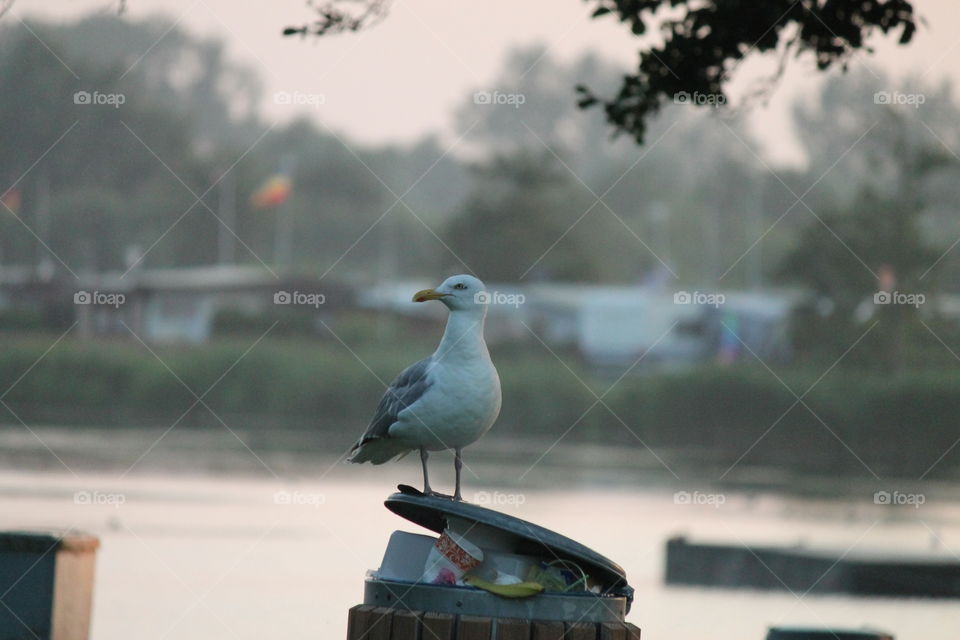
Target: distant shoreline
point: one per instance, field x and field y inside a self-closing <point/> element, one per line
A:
<point x="498" y="460"/>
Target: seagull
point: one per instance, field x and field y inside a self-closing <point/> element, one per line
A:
<point x="445" y="401"/>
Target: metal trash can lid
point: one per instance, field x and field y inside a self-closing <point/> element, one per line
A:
<point x="431" y="512"/>
<point x="815" y="633"/>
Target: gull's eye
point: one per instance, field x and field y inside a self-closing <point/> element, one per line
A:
<point x="459" y="285"/>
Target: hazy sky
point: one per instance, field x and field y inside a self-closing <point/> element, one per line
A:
<point x="404" y="77"/>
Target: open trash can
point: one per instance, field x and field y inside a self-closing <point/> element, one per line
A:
<point x="488" y="575"/>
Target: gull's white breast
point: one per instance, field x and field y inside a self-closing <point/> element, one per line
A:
<point x="460" y="405"/>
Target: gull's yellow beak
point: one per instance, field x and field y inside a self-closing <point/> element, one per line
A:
<point x="428" y="294"/>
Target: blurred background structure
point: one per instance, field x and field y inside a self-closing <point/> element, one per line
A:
<point x="205" y="273"/>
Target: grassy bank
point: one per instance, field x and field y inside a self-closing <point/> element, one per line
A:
<point x="853" y="422"/>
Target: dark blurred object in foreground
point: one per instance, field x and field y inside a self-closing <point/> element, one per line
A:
<point x="812" y="571"/>
<point x="804" y="633"/>
<point x="46" y="579"/>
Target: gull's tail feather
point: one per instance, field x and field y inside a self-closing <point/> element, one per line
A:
<point x="378" y="450"/>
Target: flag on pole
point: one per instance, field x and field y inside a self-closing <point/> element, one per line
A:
<point x="273" y="192"/>
<point x="11" y="199"/>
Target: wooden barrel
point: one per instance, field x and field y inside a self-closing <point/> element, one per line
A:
<point x="380" y="623"/>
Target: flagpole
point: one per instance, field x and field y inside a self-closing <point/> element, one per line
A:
<point x="42" y="214"/>
<point x="283" y="247"/>
<point x="228" y="219"/>
<point x="283" y="240"/>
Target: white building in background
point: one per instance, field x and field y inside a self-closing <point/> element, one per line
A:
<point x="615" y="325"/>
<point x="171" y="305"/>
<point x="611" y="325"/>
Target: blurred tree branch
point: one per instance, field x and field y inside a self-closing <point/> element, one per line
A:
<point x="333" y="18"/>
<point x="703" y="42"/>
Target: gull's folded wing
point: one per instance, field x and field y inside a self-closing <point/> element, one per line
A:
<point x="408" y="387"/>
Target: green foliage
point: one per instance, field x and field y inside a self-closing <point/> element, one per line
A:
<point x="704" y="41"/>
<point x="519" y="207"/>
<point x="870" y="232"/>
<point x="702" y="420"/>
<point x="696" y="202"/>
<point x="279" y="321"/>
<point x="117" y="179"/>
<point x="20" y="319"/>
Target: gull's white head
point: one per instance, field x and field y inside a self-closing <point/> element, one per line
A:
<point x="458" y="293"/>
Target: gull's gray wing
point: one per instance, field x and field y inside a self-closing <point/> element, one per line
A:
<point x="408" y="387"/>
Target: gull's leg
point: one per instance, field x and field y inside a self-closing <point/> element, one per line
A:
<point x="426" y="479"/>
<point x="457" y="465"/>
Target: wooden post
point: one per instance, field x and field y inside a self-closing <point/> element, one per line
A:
<point x="474" y="628"/>
<point x="406" y="624"/>
<point x="513" y="629"/>
<point x="546" y="629"/>
<point x="439" y="626"/>
<point x="581" y="631"/>
<point x="378" y="623"/>
<point x="610" y="631"/>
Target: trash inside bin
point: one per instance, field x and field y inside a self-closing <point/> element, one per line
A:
<point x="486" y="563"/>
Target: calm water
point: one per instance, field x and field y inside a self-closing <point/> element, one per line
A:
<point x="188" y="554"/>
